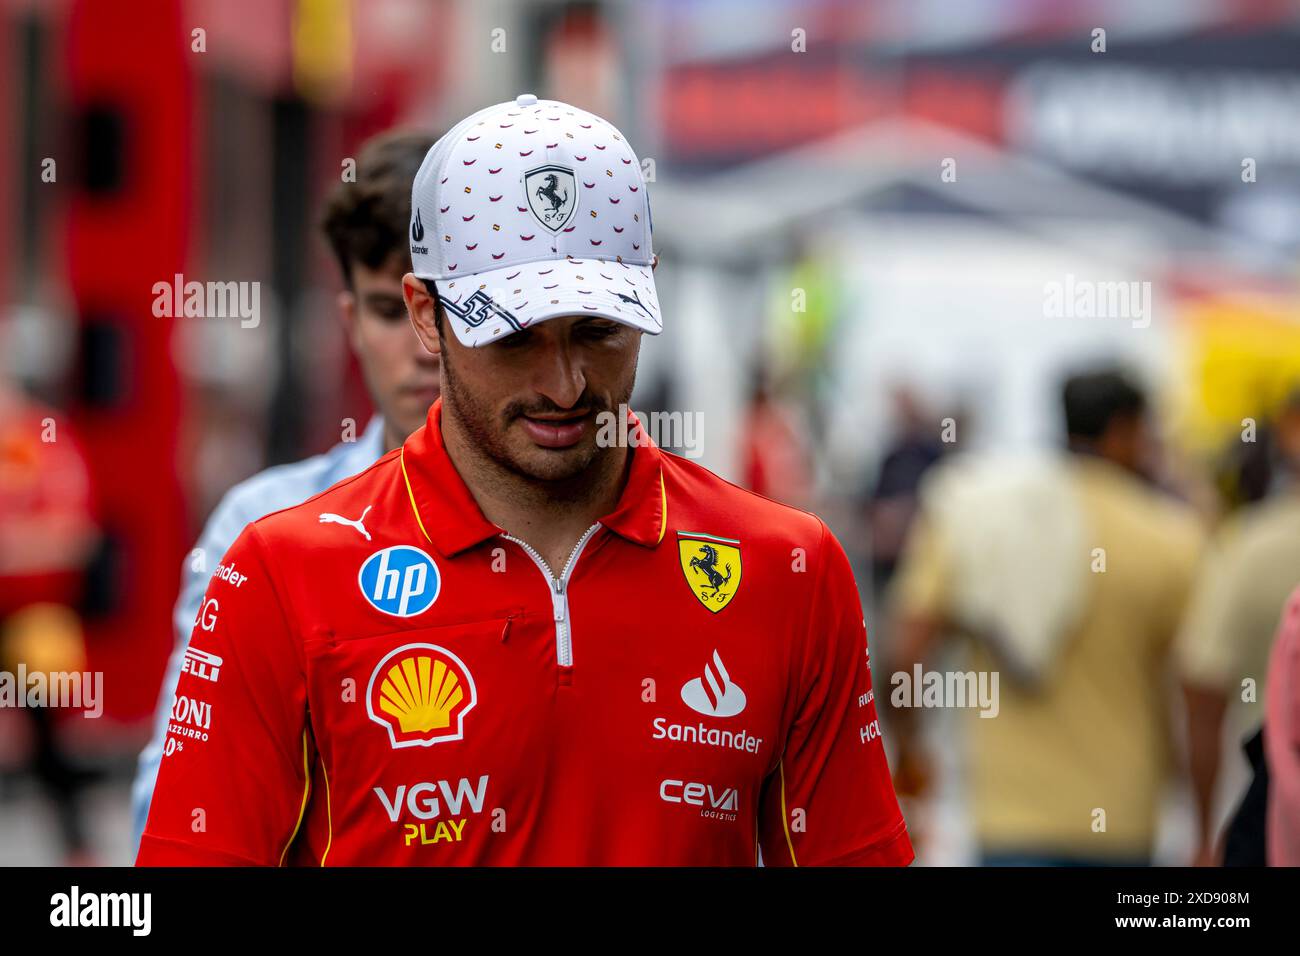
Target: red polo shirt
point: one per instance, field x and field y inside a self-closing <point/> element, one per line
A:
<point x="381" y="676"/>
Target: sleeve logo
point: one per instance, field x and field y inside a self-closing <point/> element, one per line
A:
<point x="201" y="664"/>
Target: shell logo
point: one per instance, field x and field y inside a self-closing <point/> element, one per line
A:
<point x="420" y="693"/>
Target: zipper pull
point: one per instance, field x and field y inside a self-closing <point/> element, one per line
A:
<point x="559" y="603"/>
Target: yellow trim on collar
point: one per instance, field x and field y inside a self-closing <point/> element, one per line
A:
<point x="411" y="495"/>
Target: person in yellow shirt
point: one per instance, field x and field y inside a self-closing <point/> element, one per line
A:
<point x="1223" y="652"/>
<point x="1070" y="583"/>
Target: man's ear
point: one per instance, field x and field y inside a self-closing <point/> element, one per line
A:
<point x="420" y="308"/>
<point x="654" y="263"/>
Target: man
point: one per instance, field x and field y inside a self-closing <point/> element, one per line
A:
<point x="48" y="538"/>
<point x="1068" y="768"/>
<point x="365" y="223"/>
<point x="533" y="641"/>
<point x="1224" y="650"/>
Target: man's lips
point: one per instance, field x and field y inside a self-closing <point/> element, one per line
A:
<point x="555" y="432"/>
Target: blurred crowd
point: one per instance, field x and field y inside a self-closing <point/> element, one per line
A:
<point x="1135" y="602"/>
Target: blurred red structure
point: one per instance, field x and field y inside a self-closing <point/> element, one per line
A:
<point x="127" y="226"/>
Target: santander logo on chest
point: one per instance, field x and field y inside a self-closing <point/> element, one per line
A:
<point x="401" y="580"/>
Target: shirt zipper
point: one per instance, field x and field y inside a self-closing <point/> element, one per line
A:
<point x="559" y="593"/>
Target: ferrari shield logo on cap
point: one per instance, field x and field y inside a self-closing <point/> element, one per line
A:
<point x="552" y="195"/>
<point x="712" y="567"/>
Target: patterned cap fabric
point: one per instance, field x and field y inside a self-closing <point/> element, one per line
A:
<point x="530" y="210"/>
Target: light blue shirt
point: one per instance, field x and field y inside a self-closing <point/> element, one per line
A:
<point x="280" y="487"/>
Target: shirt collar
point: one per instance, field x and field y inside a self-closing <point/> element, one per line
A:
<point x="450" y="519"/>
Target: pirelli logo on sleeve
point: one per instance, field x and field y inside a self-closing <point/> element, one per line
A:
<point x="201" y="664"/>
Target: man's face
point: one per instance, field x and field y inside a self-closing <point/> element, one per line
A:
<point x="1130" y="441"/>
<point x="1288" y="436"/>
<point x="530" y="401"/>
<point x="400" y="373"/>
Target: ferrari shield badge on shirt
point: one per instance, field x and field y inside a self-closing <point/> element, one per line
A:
<point x="712" y="567"/>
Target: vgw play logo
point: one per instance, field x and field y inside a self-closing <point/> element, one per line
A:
<point x="402" y="581"/>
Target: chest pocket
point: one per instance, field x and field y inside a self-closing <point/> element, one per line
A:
<point x="426" y="701"/>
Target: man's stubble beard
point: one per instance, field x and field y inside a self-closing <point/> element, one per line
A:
<point x="484" y="431"/>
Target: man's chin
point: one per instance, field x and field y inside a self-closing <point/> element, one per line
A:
<point x="553" y="464"/>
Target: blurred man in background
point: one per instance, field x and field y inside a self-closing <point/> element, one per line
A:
<point x="1224" y="650"/>
<point x="1264" y="829"/>
<point x="892" y="500"/>
<point x="365" y="223"/>
<point x="775" y="459"/>
<point x="1069" y="768"/>
<point x="48" y="536"/>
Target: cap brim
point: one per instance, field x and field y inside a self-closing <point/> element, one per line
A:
<point x="485" y="306"/>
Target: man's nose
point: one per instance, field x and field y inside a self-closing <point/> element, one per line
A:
<point x="558" y="374"/>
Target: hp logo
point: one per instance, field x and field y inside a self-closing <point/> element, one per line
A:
<point x="402" y="581"/>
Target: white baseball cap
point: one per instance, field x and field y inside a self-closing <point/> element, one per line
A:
<point x="530" y="210"/>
